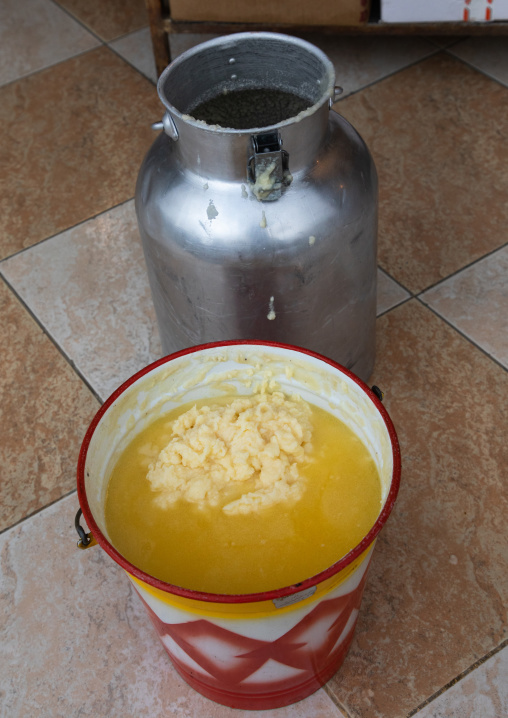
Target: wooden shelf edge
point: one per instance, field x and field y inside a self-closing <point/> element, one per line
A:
<point x="371" y="28"/>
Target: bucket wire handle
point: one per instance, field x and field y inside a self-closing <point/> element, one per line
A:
<point x="85" y="539"/>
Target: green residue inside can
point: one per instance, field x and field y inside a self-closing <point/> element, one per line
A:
<point x="249" y="108"/>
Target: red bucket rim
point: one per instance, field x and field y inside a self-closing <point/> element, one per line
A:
<point x="244" y="597"/>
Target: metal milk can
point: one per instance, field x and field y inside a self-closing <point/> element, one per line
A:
<point x="257" y="204"/>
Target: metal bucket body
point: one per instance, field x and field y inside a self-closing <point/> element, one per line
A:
<point x="247" y="237"/>
<point x="261" y="650"/>
<point x="260" y="656"/>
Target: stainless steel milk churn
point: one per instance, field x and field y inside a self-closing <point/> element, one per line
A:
<point x="257" y="204"/>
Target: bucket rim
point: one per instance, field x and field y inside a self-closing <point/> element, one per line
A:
<point x="209" y="597"/>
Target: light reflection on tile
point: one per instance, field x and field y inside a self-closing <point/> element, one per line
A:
<point x="35" y="34"/>
<point x="76" y="640"/>
<point x="476" y="302"/>
<point x="88" y="287"/>
<point x="483" y="692"/>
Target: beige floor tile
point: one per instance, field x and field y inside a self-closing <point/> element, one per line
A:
<point x="88" y="287"/>
<point x="389" y="293"/>
<point x="360" y="61"/>
<point x="72" y="138"/>
<point x="35" y="34"/>
<point x="181" y="42"/>
<point x="484" y="692"/>
<point x="437" y="591"/>
<point x="476" y="302"/>
<point x="45" y="410"/>
<point x="488" y="54"/>
<point x="137" y="49"/>
<point x="76" y="641"/>
<point x="110" y="19"/>
<point x="438" y="132"/>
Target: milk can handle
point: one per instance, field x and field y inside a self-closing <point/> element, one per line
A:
<point x="85" y="539"/>
<point x="168" y="125"/>
<point x="337" y="92"/>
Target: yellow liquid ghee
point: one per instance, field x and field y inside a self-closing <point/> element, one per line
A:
<point x="201" y="547"/>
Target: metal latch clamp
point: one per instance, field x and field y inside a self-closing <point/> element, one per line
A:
<point x="268" y="168"/>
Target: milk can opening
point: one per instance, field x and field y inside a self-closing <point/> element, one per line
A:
<point x="248" y="80"/>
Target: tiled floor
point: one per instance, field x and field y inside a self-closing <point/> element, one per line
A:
<point x="76" y="103"/>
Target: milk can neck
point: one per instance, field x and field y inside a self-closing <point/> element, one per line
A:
<point x="215" y="153"/>
<point x="222" y="95"/>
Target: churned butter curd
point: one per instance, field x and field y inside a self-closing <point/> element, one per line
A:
<point x="252" y="445"/>
<point x="242" y="494"/>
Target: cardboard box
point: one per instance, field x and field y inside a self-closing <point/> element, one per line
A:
<point x="410" y="11"/>
<point x="288" y="12"/>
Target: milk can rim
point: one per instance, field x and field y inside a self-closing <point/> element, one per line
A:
<point x="247" y="597"/>
<point x="224" y="40"/>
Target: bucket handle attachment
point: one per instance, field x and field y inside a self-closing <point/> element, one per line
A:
<point x="86" y="540"/>
<point x="377" y="391"/>
<point x="168" y="125"/>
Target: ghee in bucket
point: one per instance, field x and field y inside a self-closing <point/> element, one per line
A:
<point x="268" y="648"/>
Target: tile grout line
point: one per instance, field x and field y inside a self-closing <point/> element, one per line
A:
<point x="48" y="67"/>
<point x="45" y="331"/>
<point x="78" y="21"/>
<point x="474" y="67"/>
<point x="106" y="43"/>
<point x="385" y="271"/>
<point x="417" y="297"/>
<point x="127" y="62"/>
<point x="458" y="271"/>
<point x="67" y="229"/>
<point x="37" y="512"/>
<point x="445" y="47"/>
<point x="395" y="306"/>
<point x="103" y="43"/>
<point x="331" y="695"/>
<point x="461" y="333"/>
<point x="434" y="51"/>
<point x="131" y="32"/>
<point x="458" y="678"/>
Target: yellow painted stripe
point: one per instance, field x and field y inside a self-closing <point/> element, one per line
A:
<point x="254" y="609"/>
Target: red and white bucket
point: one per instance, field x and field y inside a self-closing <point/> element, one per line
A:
<point x="261" y="650"/>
